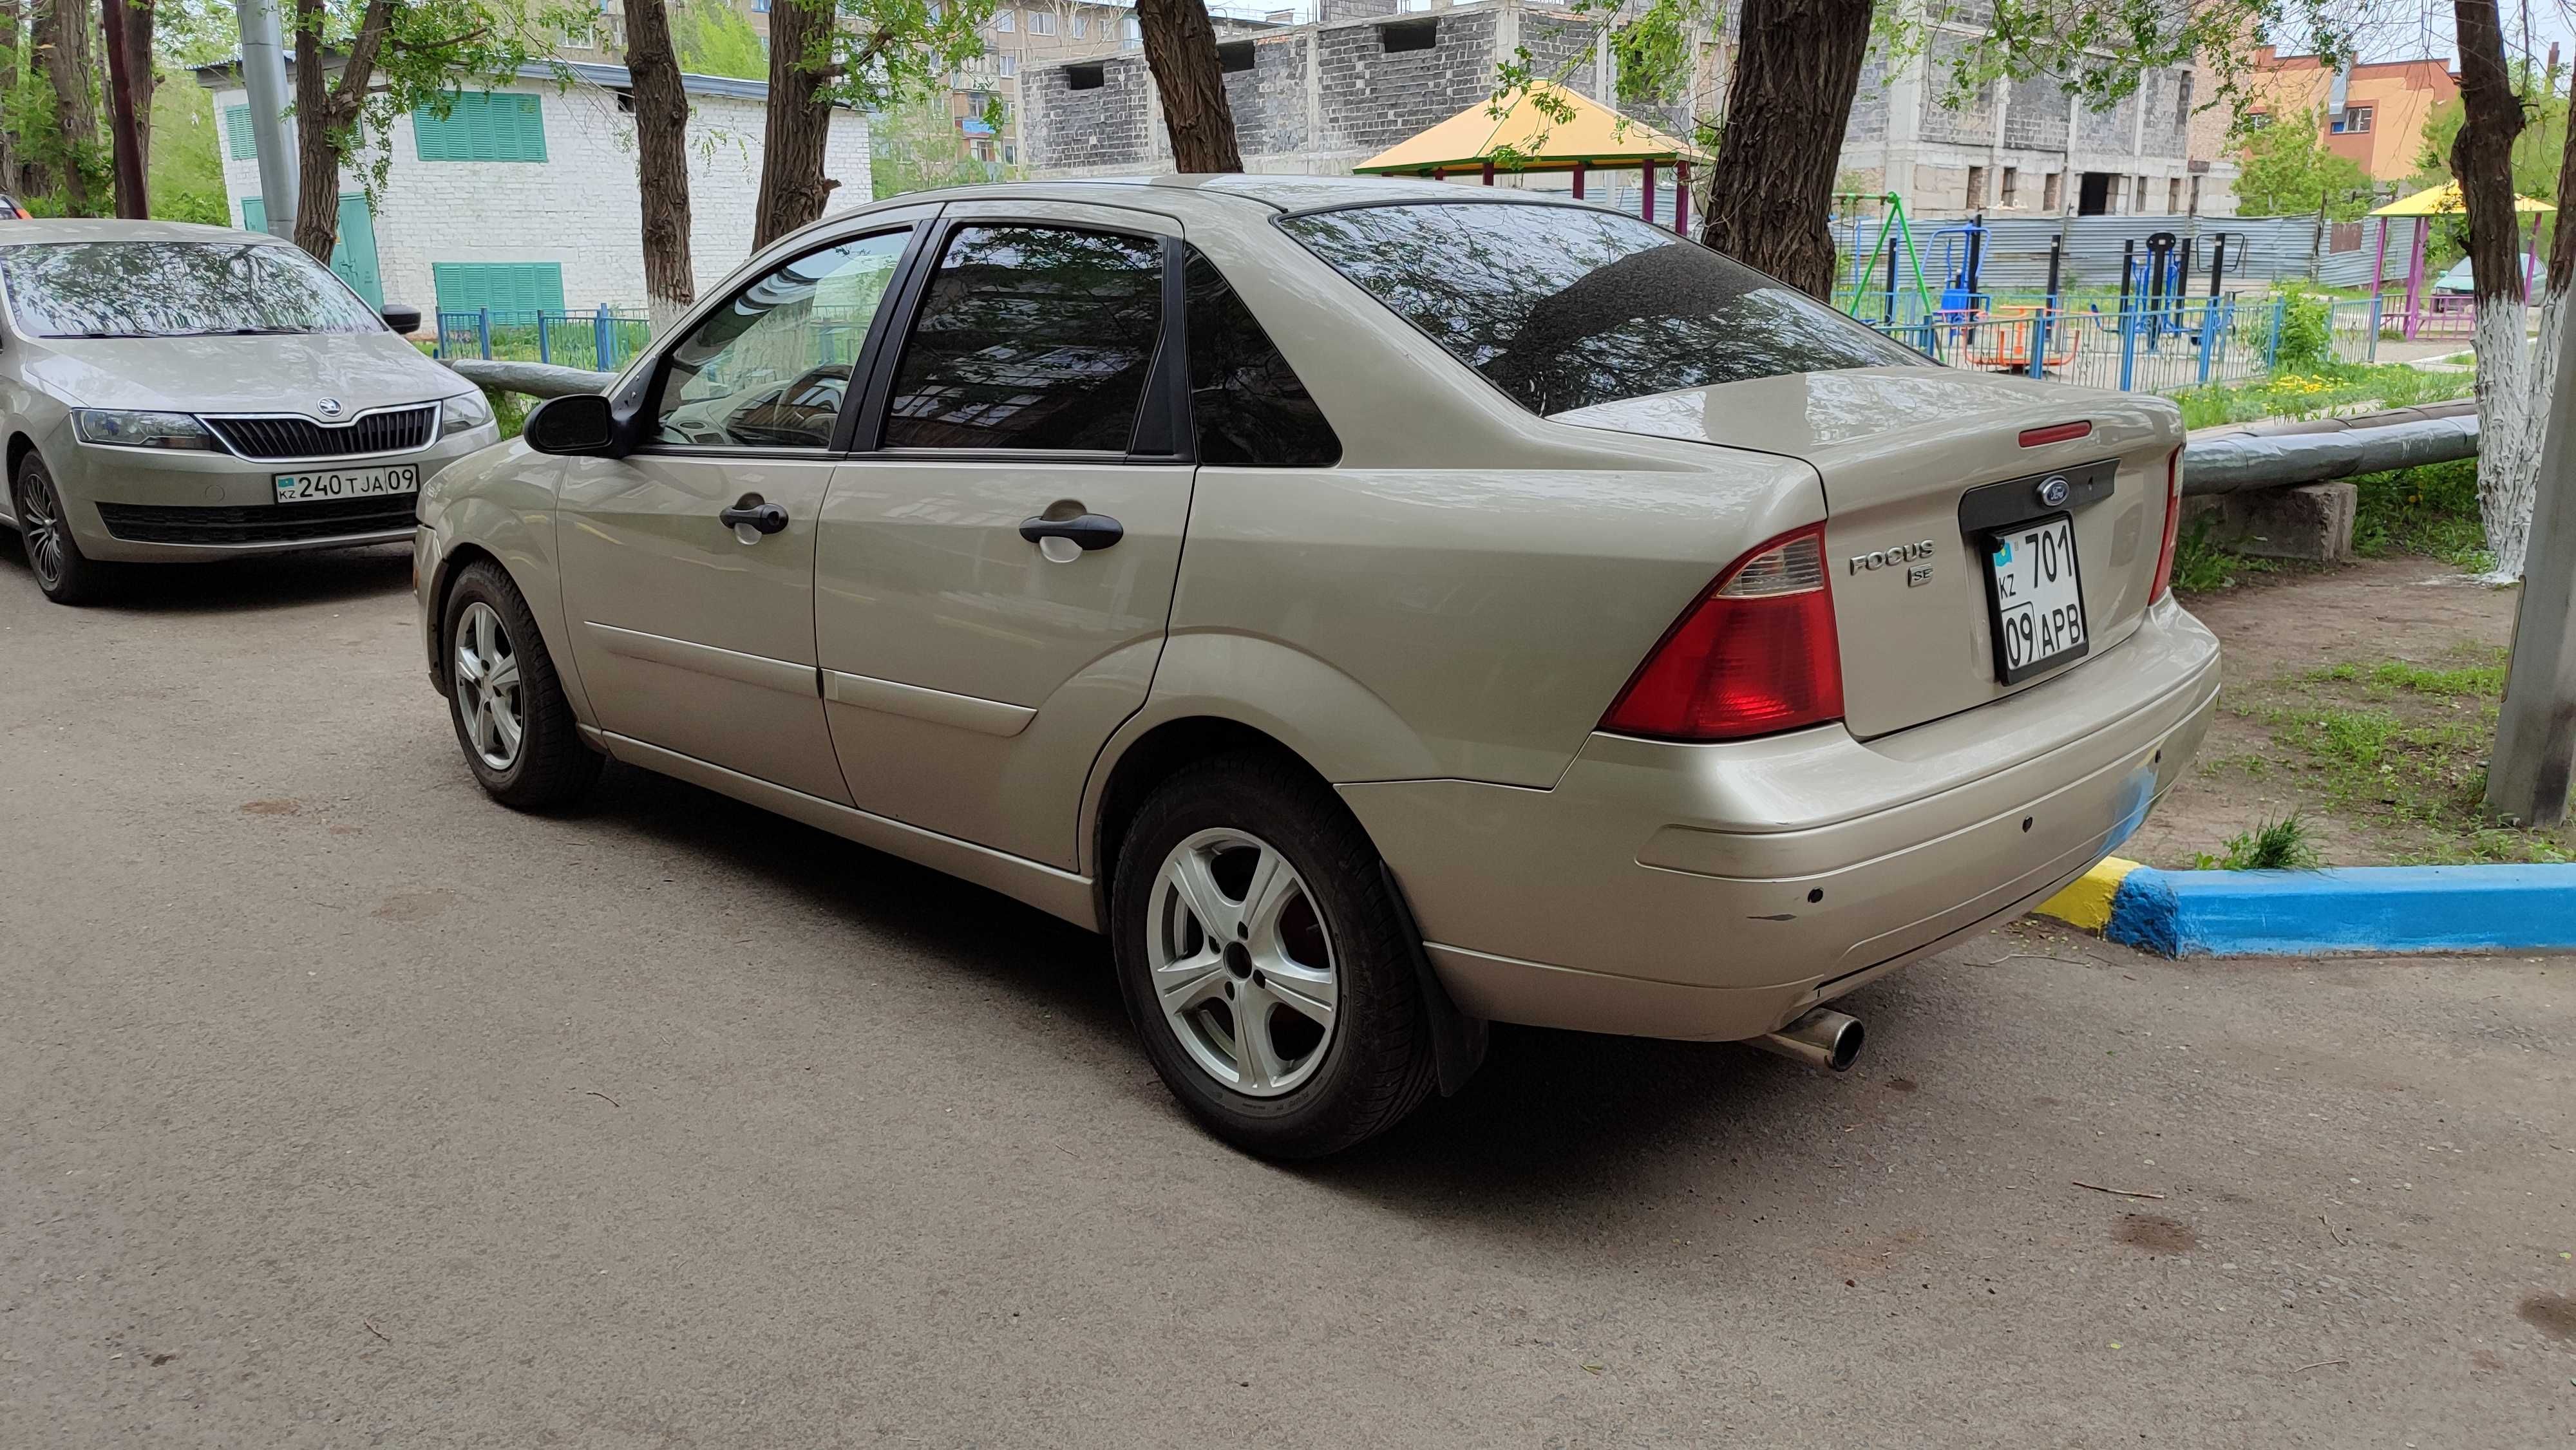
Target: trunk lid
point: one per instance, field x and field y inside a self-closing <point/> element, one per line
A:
<point x="1899" y="451"/>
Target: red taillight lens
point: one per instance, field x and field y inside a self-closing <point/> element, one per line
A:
<point x="2173" y="528"/>
<point x="1756" y="654"/>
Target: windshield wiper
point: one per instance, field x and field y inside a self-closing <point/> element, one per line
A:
<point x="247" y="332"/>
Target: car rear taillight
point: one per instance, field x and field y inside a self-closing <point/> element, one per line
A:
<point x="1754" y="655"/>
<point x="2173" y="528"/>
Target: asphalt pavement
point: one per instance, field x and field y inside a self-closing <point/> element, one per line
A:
<point x="339" y="1106"/>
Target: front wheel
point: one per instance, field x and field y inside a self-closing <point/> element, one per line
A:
<point x="505" y="699"/>
<point x="67" y="575"/>
<point x="1263" y="963"/>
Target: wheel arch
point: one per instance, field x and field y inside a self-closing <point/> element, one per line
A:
<point x="450" y="565"/>
<point x="1156" y="754"/>
<point x="20" y="445"/>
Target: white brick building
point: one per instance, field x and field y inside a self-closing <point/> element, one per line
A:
<point x="525" y="197"/>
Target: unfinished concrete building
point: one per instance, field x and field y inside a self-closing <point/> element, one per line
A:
<point x="1320" y="98"/>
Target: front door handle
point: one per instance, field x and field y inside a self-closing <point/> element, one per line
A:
<point x="750" y="512"/>
<point x="1087" y="531"/>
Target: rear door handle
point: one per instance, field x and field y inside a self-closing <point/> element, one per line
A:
<point x="767" y="518"/>
<point x="1087" y="531"/>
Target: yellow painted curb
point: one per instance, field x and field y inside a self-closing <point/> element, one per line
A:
<point x="2087" y="903"/>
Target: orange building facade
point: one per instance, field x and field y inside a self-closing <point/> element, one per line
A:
<point x="2386" y="106"/>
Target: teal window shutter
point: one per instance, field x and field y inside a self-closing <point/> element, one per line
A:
<point x="482" y="126"/>
<point x="505" y="287"/>
<point x="254" y="214"/>
<point x="240" y="142"/>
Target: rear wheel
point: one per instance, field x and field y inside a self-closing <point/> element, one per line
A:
<point x="1263" y="964"/>
<point x="507" y="703"/>
<point x="67" y="575"/>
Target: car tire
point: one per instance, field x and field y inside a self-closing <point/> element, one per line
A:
<point x="504" y="697"/>
<point x="63" y="572"/>
<point x="1325" y="935"/>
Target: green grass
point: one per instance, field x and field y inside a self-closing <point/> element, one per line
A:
<point x="2327" y="388"/>
<point x="2398" y="747"/>
<point x="2431" y="511"/>
<point x="2204" y="566"/>
<point x="2282" y="845"/>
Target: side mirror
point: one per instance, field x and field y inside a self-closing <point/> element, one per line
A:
<point x="405" y="320"/>
<point x="583" y="423"/>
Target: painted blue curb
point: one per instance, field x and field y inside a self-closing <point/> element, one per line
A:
<point x="2373" y="909"/>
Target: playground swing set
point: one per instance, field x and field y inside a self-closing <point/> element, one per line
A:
<point x="1967" y="326"/>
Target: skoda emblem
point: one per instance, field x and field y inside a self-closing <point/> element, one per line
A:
<point x="2054" y="490"/>
<point x="331" y="409"/>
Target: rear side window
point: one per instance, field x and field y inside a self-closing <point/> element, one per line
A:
<point x="1031" y="337"/>
<point x="1567" y="306"/>
<point x="1246" y="402"/>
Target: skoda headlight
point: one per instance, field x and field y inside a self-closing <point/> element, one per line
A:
<point x="141" y="430"/>
<point x="465" y="410"/>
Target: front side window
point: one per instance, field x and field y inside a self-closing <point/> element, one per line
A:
<point x="1031" y="337"/>
<point x="175" y="289"/>
<point x="1246" y="402"/>
<point x="769" y="368"/>
<point x="1563" y="307"/>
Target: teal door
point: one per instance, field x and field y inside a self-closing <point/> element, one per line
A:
<point x="353" y="256"/>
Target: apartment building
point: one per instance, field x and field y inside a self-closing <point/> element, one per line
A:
<point x="2373" y="114"/>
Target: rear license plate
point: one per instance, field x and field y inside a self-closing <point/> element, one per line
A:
<point x="348" y="482"/>
<point x="2037" y="597"/>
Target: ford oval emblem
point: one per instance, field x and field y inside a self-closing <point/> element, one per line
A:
<point x="2054" y="491"/>
<point x="330" y="407"/>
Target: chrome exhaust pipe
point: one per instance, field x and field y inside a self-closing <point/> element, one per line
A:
<point x="1822" y="1038"/>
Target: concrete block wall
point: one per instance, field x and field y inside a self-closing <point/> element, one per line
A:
<point x="2113" y="129"/>
<point x="1970" y="123"/>
<point x="1269" y="100"/>
<point x="578" y="206"/>
<point x="1869" y="104"/>
<point x="1372" y="98"/>
<point x="1107" y="125"/>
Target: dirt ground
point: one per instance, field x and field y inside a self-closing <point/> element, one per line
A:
<point x="2284" y="625"/>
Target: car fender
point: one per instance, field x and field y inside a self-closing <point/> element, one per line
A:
<point x="1332" y="722"/>
<point x="502" y="501"/>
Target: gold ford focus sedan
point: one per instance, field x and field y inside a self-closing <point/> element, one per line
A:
<point x="1382" y="608"/>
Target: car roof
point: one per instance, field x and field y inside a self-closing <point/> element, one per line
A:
<point x="110" y="229"/>
<point x="1278" y="193"/>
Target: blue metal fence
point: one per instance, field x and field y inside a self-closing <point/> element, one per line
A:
<point x="601" y="339"/>
<point x="2176" y="343"/>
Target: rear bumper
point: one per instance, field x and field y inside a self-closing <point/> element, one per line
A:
<point x="1717" y="891"/>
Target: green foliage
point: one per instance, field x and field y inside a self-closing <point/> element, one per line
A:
<point x="2431" y="511"/>
<point x="2330" y="387"/>
<point x="2281" y="845"/>
<point x="2307" y="334"/>
<point x="879" y="53"/>
<point x="196" y="32"/>
<point x="713" y="39"/>
<point x="2289" y="172"/>
<point x="431" y="50"/>
<point x="914" y="146"/>
<point x="186" y="183"/>
<point x="2536" y="151"/>
<point x="2204" y="566"/>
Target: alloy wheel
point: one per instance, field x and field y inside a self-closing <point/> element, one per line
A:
<point x="40" y="527"/>
<point x="489" y="697"/>
<point x="1242" y="965"/>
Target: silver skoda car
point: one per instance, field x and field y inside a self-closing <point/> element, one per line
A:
<point x="174" y="392"/>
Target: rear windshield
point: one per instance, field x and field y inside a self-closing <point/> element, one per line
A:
<point x="1567" y="306"/>
<point x="175" y="289"/>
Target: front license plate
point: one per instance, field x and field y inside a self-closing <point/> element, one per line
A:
<point x="2037" y="595"/>
<point x="347" y="482"/>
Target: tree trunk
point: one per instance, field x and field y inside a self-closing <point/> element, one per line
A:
<point x="1180" y="49"/>
<point x="1771" y="191"/>
<point x="793" y="187"/>
<point x="11" y="27"/>
<point x="39" y="174"/>
<point x="2482" y="160"/>
<point x="139" y="22"/>
<point x="124" y="136"/>
<point x="661" y="160"/>
<point x="68" y="63"/>
<point x="325" y="112"/>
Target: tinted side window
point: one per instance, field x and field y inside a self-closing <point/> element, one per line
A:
<point x="1567" y="306"/>
<point x="1245" y="400"/>
<point x="1031" y="337"/>
<point x="769" y="369"/>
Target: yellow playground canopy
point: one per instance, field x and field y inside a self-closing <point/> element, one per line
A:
<point x="1528" y="138"/>
<point x="2444" y="200"/>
